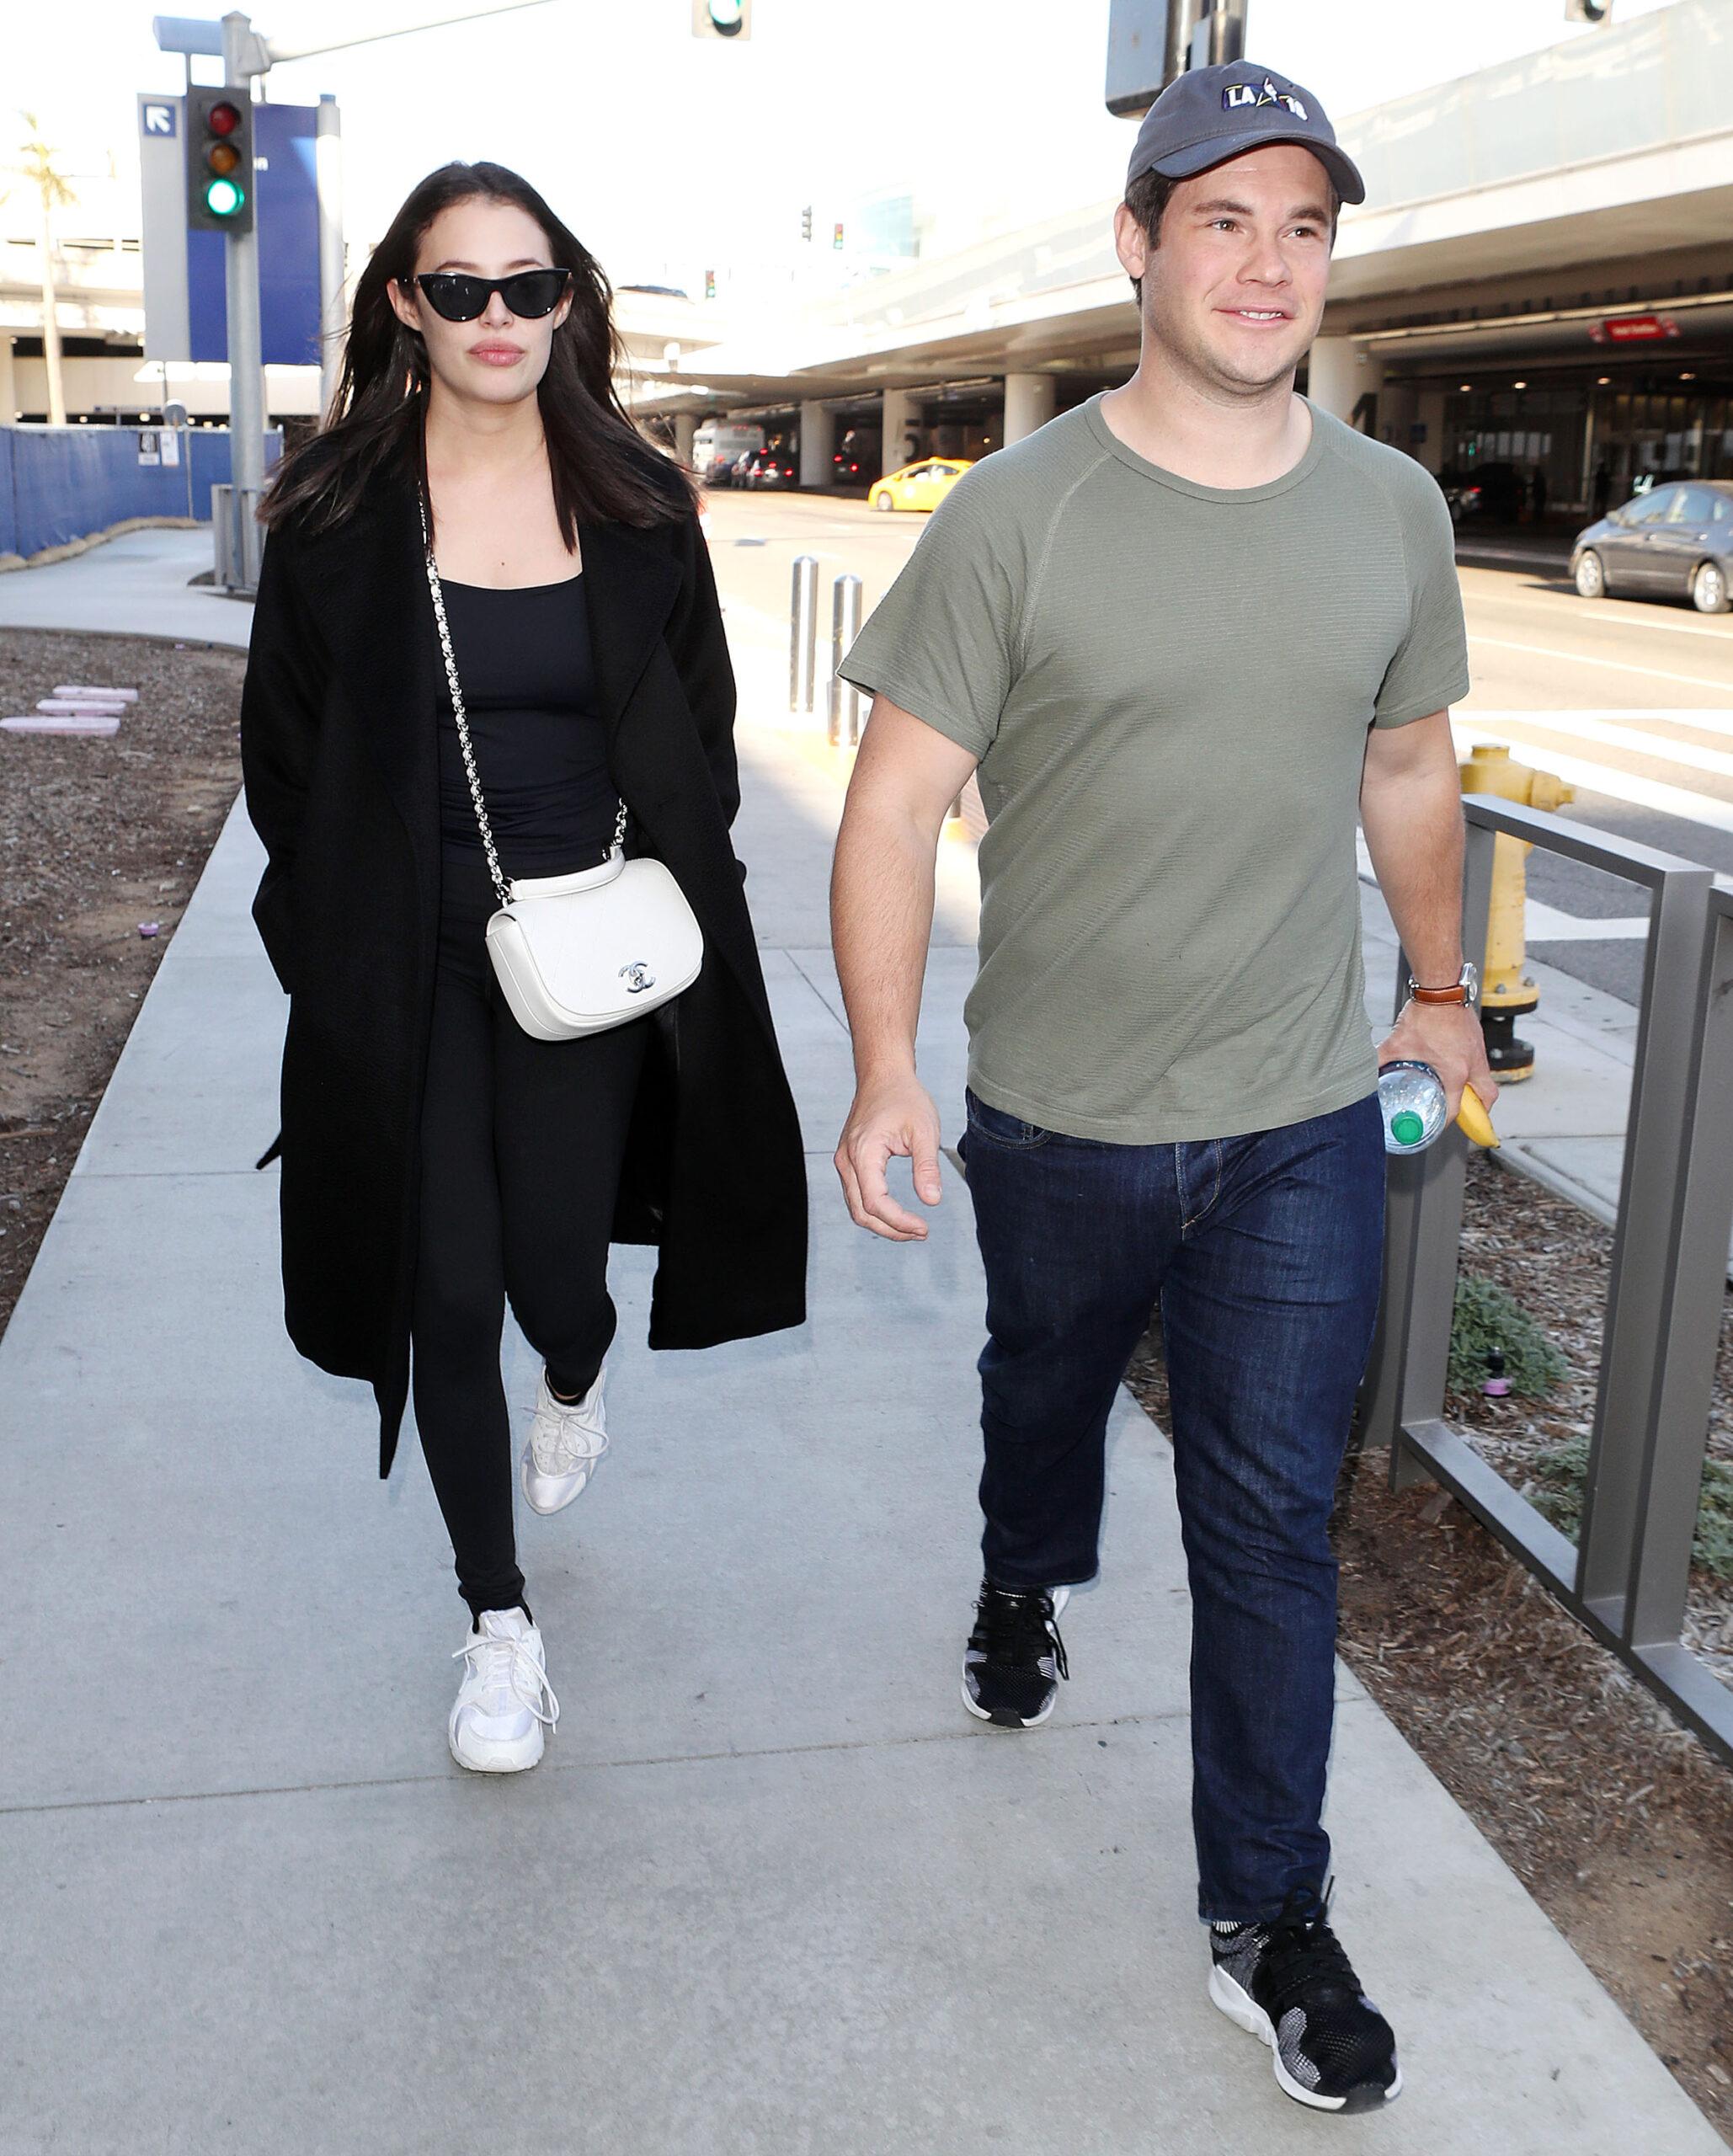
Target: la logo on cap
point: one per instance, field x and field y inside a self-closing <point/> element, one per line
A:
<point x="1239" y="94"/>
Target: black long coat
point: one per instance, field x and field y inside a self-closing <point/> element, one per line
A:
<point x="339" y="743"/>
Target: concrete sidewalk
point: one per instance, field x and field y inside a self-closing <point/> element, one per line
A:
<point x="139" y="584"/>
<point x="771" y="1890"/>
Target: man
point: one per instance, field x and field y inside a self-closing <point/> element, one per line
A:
<point x="1179" y="630"/>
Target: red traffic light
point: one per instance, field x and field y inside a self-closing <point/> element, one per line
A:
<point x="222" y="119"/>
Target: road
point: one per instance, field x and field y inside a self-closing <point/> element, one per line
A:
<point x="1629" y="701"/>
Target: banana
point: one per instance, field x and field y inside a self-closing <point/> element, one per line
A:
<point x="1473" y="1120"/>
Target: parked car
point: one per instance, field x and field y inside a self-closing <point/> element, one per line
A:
<point x="772" y="467"/>
<point x="857" y="458"/>
<point x="1675" y="541"/>
<point x="919" y="486"/>
<point x="1494" y="491"/>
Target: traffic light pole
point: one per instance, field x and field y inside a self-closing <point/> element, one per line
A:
<point x="247" y="415"/>
<point x="245" y="55"/>
<point x="327" y="155"/>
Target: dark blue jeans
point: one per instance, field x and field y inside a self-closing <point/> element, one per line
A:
<point x="1264" y="1252"/>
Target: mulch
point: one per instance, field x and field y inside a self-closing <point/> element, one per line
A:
<point x="99" y="839"/>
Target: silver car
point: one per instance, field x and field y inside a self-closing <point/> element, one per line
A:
<point x="1673" y="542"/>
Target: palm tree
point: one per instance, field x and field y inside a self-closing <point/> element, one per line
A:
<point x="37" y="166"/>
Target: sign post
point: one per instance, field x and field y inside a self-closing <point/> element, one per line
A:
<point x="246" y="356"/>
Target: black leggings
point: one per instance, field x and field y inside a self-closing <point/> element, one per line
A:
<point x="521" y="1146"/>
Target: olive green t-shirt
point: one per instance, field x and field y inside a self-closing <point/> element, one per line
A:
<point x="1168" y="688"/>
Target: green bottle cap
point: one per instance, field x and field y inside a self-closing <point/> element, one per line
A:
<point x="1406" y="1128"/>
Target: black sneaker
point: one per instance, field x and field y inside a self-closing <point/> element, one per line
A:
<point x="1015" y="1658"/>
<point x="1290" y="1982"/>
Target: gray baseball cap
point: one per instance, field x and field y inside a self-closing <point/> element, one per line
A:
<point x="1209" y="114"/>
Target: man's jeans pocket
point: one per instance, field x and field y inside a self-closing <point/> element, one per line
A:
<point x="999" y="1128"/>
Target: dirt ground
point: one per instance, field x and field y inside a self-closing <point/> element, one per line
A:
<point x="97" y="839"/>
<point x="1616" y="1819"/>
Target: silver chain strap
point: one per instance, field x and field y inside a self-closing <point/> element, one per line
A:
<point x="500" y="885"/>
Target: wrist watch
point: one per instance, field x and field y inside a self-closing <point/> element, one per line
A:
<point x="1465" y="989"/>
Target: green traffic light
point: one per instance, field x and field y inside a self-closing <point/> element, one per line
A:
<point x="223" y="198"/>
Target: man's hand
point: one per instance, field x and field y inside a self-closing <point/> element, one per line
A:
<point x="896" y="1117"/>
<point x="1449" y="1037"/>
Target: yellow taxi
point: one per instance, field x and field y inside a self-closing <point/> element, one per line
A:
<point x="919" y="486"/>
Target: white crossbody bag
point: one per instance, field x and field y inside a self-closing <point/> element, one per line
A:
<point x="577" y="954"/>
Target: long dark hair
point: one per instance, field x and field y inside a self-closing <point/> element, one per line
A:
<point x="604" y="471"/>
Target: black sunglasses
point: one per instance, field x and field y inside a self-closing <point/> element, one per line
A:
<point x="528" y="293"/>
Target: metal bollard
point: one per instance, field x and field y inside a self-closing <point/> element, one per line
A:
<point x="845" y="697"/>
<point x="803" y="632"/>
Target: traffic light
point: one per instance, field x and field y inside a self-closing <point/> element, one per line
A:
<point x="722" y="17"/>
<point x="836" y="235"/>
<point x="710" y="284"/>
<point x="219" y="161"/>
<point x="806" y="223"/>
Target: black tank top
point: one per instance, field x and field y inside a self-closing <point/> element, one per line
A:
<point x="541" y="748"/>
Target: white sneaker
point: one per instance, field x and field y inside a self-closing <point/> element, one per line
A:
<point x="567" y="1442"/>
<point x="505" y="1700"/>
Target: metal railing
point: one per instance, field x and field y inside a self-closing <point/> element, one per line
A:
<point x="1627" y="1576"/>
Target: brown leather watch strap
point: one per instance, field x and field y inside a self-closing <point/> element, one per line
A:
<point x="1456" y="993"/>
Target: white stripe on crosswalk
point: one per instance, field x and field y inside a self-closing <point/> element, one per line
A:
<point x="1584" y="726"/>
<point x="1508" y="726"/>
<point x="1691" y="715"/>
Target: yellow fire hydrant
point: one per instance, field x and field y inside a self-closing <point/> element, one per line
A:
<point x="1506" y="992"/>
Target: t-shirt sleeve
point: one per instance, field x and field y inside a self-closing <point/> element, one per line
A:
<point x="1430" y="669"/>
<point x="942" y="642"/>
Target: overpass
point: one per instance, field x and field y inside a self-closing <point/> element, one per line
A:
<point x="1542" y="275"/>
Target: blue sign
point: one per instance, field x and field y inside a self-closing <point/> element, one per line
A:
<point x="287" y="217"/>
<point x="162" y="119"/>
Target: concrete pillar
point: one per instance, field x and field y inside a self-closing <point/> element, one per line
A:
<point x="898" y="432"/>
<point x="1429" y="412"/>
<point x="1028" y="405"/>
<point x="685" y="427"/>
<point x="1398" y="408"/>
<point x="1339" y="373"/>
<point x="818" y="444"/>
<point x="8" y="383"/>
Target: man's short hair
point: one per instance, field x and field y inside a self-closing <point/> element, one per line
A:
<point x="1147" y="199"/>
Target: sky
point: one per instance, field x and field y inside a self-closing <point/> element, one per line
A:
<point x="665" y="153"/>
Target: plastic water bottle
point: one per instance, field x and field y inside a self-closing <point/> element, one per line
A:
<point x="1413" y="1099"/>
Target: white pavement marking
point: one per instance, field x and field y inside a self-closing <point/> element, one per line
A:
<point x="1545" y="924"/>
<point x="1606" y="665"/>
<point x="1700" y="721"/>
<point x="1587" y="614"/>
<point x="1499" y="726"/>
<point x="1585" y="727"/>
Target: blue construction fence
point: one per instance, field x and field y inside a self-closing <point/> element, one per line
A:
<point x="60" y="483"/>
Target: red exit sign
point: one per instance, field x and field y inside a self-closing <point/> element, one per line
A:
<point x="1634" y="329"/>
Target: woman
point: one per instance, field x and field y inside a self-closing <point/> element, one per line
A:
<point x="436" y="1159"/>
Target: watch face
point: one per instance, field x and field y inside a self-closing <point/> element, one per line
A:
<point x="1471" y="981"/>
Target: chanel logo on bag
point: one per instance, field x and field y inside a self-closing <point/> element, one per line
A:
<point x="637" y="977"/>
